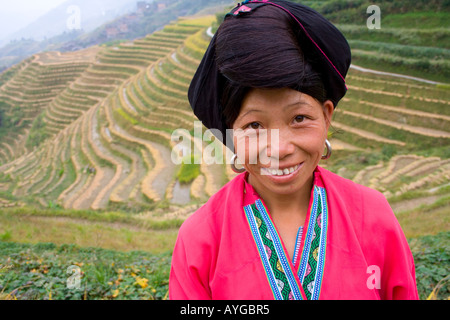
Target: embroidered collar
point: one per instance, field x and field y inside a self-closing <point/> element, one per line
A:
<point x="289" y="281"/>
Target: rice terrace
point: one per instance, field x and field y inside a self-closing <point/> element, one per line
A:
<point x="88" y="187"/>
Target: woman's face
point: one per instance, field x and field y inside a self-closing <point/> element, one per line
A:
<point x="299" y="123"/>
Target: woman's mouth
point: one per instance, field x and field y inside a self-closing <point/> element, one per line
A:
<point x="282" y="172"/>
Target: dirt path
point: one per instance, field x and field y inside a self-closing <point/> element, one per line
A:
<point x="358" y="68"/>
<point x="341" y="145"/>
<point x="404" y="110"/>
<point x="418" y="130"/>
<point x="411" y="204"/>
<point x="366" y="134"/>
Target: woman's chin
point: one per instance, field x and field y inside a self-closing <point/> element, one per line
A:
<point x="288" y="183"/>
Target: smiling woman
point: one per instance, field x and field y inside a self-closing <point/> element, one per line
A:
<point x="285" y="228"/>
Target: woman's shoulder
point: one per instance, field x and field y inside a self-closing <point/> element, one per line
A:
<point x="359" y="201"/>
<point x="366" y="207"/>
<point x="349" y="188"/>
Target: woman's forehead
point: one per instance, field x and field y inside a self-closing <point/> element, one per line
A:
<point x="279" y="99"/>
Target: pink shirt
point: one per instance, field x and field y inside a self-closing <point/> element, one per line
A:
<point x="351" y="247"/>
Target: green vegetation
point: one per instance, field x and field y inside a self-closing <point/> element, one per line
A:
<point x="38" y="133"/>
<point x="9" y="117"/>
<point x="400" y="13"/>
<point x="42" y="272"/>
<point x="432" y="260"/>
<point x="126" y="116"/>
<point x="189" y="169"/>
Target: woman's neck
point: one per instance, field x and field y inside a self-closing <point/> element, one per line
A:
<point x="285" y="206"/>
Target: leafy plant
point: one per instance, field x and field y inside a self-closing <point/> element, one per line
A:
<point x="42" y="271"/>
<point x="432" y="260"/>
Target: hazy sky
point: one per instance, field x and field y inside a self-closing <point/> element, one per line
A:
<point x="16" y="14"/>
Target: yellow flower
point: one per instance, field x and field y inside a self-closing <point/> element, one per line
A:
<point x="133" y="274"/>
<point x="120" y="271"/>
<point x="115" y="293"/>
<point x="142" y="282"/>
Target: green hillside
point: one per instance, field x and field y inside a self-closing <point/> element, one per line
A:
<point x="413" y="39"/>
<point x="112" y="125"/>
<point x="86" y="142"/>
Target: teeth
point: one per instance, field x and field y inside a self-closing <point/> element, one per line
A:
<point x="275" y="172"/>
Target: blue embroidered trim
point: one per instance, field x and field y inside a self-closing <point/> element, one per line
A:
<point x="308" y="238"/>
<point x="322" y="246"/>
<point x="293" y="279"/>
<point x="318" y="192"/>
<point x="280" y="251"/>
<point x="262" y="252"/>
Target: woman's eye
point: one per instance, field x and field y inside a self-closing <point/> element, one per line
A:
<point x="254" y="125"/>
<point x="299" y="119"/>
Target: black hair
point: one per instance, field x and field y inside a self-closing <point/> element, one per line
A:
<point x="263" y="50"/>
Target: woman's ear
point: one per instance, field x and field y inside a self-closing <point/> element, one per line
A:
<point x="328" y="109"/>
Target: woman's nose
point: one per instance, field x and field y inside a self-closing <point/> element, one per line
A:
<point x="279" y="145"/>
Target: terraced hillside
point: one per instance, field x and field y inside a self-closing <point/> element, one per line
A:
<point x="36" y="83"/>
<point x="401" y="125"/>
<point x="97" y="130"/>
<point x="106" y="135"/>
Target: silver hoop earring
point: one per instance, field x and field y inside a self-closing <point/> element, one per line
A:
<point x="233" y="165"/>
<point x="329" y="150"/>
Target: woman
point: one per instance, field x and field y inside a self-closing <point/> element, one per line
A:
<point x="284" y="228"/>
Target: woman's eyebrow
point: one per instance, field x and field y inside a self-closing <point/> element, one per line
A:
<point x="296" y="103"/>
<point x="250" y="111"/>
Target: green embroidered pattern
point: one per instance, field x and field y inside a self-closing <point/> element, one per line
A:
<point x="274" y="261"/>
<point x="284" y="283"/>
<point x="310" y="275"/>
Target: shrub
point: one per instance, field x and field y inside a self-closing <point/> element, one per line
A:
<point x="189" y="170"/>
